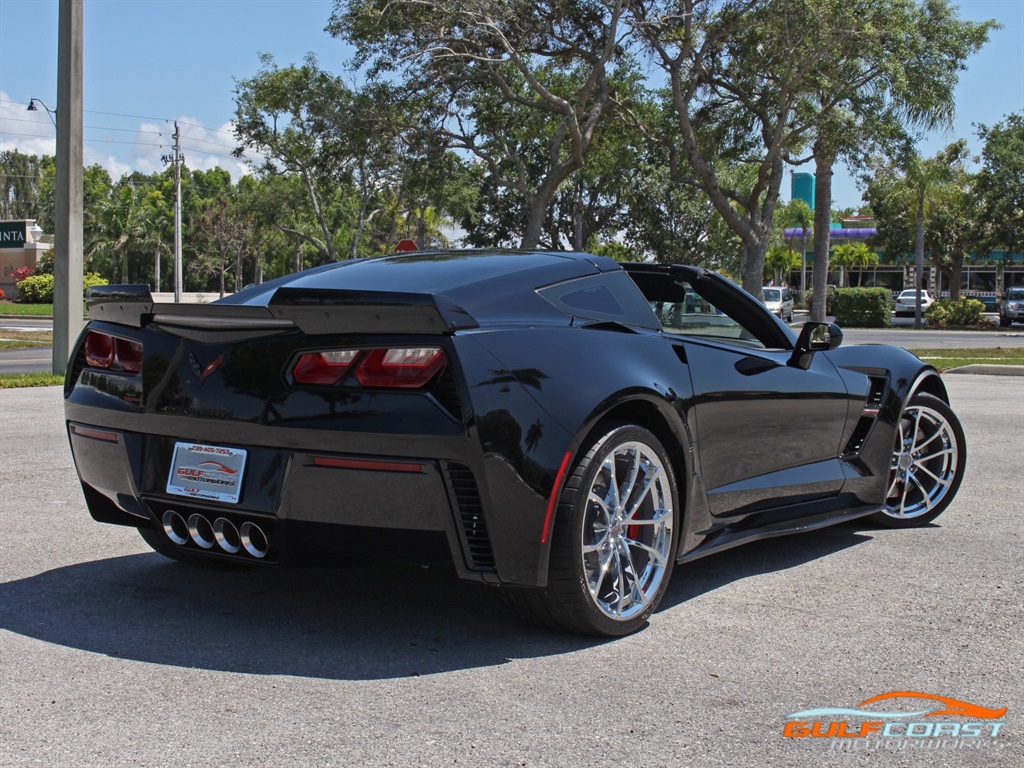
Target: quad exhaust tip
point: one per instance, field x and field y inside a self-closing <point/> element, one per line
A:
<point x="222" y="533"/>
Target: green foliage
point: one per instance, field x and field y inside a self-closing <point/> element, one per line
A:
<point x="614" y="250"/>
<point x="1000" y="185"/>
<point x="863" y="307"/>
<point x="849" y="255"/>
<point x="14" y="380"/>
<point x="962" y="312"/>
<point x="831" y="292"/>
<point x="38" y="289"/>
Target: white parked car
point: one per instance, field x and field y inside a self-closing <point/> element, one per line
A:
<point x="779" y="302"/>
<point x="907" y="299"/>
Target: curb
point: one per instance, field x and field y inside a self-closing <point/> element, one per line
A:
<point x="990" y="370"/>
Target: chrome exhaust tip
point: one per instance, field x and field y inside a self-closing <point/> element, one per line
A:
<point x="227" y="536"/>
<point x="200" y="530"/>
<point x="254" y="540"/>
<point x="175" y="527"/>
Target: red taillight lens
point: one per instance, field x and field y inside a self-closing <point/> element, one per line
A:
<point x="406" y="368"/>
<point x="323" y="367"/>
<point x="103" y="351"/>
<point x="99" y="350"/>
<point x="128" y="354"/>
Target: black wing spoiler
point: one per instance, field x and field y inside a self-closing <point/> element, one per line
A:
<point x="313" y="311"/>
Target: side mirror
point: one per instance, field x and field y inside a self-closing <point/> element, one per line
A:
<point x="814" y="337"/>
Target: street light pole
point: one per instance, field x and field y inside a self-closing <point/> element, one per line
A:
<point x="68" y="218"/>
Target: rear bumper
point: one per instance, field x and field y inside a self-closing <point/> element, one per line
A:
<point x="307" y="497"/>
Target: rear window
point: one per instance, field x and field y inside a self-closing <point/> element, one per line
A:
<point x="611" y="296"/>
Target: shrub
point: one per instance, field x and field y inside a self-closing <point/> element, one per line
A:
<point x="3" y="296"/>
<point x="38" y="289"/>
<point x="830" y="299"/>
<point x="963" y="312"/>
<point x="863" y="307"/>
<point x="21" y="273"/>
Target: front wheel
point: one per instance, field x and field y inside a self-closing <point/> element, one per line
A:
<point x="927" y="464"/>
<point x="614" y="539"/>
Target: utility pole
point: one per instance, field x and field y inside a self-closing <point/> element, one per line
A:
<point x="68" y="218"/>
<point x="177" y="158"/>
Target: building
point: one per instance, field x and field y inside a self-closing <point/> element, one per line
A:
<point x="22" y="242"/>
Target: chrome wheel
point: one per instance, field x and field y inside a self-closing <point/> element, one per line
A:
<point x="627" y="530"/>
<point x="927" y="463"/>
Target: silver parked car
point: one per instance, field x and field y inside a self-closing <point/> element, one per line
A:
<point x="1011" y="307"/>
<point x="779" y="302"/>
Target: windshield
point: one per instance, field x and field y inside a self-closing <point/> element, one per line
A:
<point x="1016" y="293"/>
<point x="772" y="294"/>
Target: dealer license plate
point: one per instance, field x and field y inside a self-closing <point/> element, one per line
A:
<point x="207" y="472"/>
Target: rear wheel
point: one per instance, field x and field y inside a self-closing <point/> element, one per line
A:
<point x="614" y="539"/>
<point x="927" y="464"/>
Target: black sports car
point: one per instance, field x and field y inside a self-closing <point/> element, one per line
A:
<point x="564" y="427"/>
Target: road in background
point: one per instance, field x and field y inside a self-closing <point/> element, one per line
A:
<point x="112" y="655"/>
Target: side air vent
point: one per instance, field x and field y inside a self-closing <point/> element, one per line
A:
<point x="470" y="516"/>
<point x="876" y="394"/>
<point x="877" y="386"/>
<point x="860" y="434"/>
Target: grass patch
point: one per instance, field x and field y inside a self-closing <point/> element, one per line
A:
<point x="28" y="310"/>
<point x="944" y="359"/>
<point x="13" y="380"/>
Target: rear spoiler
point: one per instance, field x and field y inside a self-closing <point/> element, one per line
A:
<point x="313" y="311"/>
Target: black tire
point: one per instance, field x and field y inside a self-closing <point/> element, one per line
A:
<point x="611" y="557"/>
<point x="1004" y="322"/>
<point x="927" y="465"/>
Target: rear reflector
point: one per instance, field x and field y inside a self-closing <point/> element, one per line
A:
<point x="95" y="434"/>
<point x="405" y="368"/>
<point x="369" y="464"/>
<point x="323" y="367"/>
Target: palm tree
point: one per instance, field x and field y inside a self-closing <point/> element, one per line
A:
<point x="124" y="224"/>
<point x="849" y="255"/>
<point x="923" y="185"/>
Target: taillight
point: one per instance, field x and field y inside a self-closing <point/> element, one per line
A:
<point x="323" y="367"/>
<point x="406" y="368"/>
<point x="402" y="368"/>
<point x="105" y="351"/>
<point x="128" y="355"/>
<point x="99" y="350"/>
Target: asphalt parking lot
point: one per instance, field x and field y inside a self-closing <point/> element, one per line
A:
<point x="112" y="656"/>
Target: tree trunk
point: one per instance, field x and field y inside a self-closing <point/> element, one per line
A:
<point x="918" y="264"/>
<point x="822" y="230"/>
<point x="156" y="271"/>
<point x="754" y="249"/>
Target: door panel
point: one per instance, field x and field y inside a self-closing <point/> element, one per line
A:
<point x="768" y="433"/>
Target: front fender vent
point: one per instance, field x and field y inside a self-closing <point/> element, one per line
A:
<point x="877" y="386"/>
<point x="470" y="517"/>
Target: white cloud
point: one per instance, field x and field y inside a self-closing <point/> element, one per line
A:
<point x="120" y="146"/>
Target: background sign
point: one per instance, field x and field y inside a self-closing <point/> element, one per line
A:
<point x="12" y="234"/>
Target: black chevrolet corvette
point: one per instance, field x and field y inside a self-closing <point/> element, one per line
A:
<point x="561" y="426"/>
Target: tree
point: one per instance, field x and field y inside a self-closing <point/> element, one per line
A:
<point x="907" y="193"/>
<point x="278" y="113"/>
<point x="1000" y="185"/>
<point x="898" y="66"/>
<point x="849" y="255"/>
<point x="123" y="224"/>
<point x="781" y="260"/>
<point x="490" y="68"/>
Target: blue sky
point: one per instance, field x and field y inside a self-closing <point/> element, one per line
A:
<point x="150" y="62"/>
